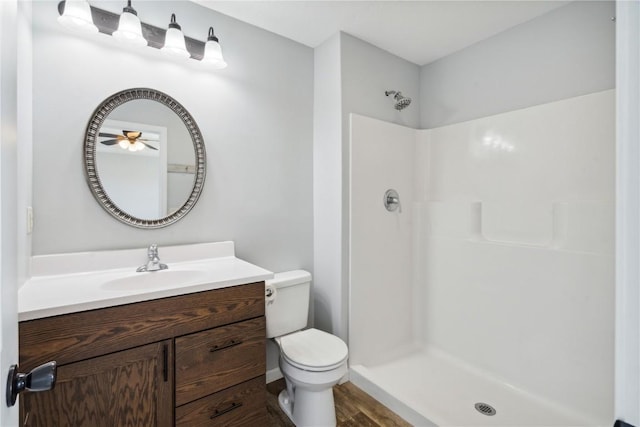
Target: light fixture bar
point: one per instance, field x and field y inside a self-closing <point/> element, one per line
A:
<point x="107" y="23"/>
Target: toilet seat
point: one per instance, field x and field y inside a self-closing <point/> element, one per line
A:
<point x="313" y="350"/>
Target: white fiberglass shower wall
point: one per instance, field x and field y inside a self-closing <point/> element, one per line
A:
<point x="495" y="283"/>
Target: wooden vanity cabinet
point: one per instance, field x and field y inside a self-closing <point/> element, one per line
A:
<point x="196" y="359"/>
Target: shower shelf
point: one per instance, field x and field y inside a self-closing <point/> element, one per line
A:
<point x="574" y="226"/>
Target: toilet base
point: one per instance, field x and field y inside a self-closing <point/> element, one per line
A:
<point x="285" y="403"/>
<point x="310" y="409"/>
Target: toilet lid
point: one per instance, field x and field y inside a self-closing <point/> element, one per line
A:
<point x="313" y="350"/>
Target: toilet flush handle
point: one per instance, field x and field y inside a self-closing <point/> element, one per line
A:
<point x="269" y="293"/>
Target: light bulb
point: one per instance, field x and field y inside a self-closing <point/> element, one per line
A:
<point x="77" y="16"/>
<point x="129" y="28"/>
<point x="124" y="144"/>
<point x="174" y="44"/>
<point x="213" y="52"/>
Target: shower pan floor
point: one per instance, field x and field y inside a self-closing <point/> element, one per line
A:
<point x="429" y="388"/>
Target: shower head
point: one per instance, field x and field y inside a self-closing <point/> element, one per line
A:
<point x="402" y="102"/>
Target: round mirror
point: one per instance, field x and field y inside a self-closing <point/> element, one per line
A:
<point x="144" y="158"/>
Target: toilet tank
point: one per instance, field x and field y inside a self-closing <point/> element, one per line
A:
<point x="288" y="309"/>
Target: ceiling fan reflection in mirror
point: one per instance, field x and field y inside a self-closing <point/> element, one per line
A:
<point x="129" y="140"/>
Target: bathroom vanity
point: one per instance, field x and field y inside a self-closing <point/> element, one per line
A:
<point x="191" y="358"/>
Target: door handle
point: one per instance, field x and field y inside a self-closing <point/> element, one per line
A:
<point x="42" y="378"/>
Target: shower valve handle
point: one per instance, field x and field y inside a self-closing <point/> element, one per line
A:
<point x="391" y="201"/>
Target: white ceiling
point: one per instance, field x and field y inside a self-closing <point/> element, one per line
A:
<point x="418" y="31"/>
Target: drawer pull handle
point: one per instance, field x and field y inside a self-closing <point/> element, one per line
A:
<point x="231" y="343"/>
<point x="217" y="413"/>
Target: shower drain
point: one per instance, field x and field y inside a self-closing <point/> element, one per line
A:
<point x="485" y="409"/>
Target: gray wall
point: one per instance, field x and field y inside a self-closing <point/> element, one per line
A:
<point x="564" y="53"/>
<point x="367" y="72"/>
<point x="255" y="117"/>
<point x="328" y="303"/>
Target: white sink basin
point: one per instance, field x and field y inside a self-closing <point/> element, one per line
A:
<point x="154" y="280"/>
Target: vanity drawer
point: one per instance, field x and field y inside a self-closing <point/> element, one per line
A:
<point x="212" y="360"/>
<point x="241" y="405"/>
<point x="78" y="336"/>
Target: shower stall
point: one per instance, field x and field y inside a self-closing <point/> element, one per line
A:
<point x="487" y="296"/>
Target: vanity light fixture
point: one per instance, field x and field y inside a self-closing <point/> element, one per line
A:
<point x="174" y="44"/>
<point x="76" y="15"/>
<point x="127" y="27"/>
<point x="213" y="52"/>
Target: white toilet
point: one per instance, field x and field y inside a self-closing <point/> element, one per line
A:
<point x="312" y="361"/>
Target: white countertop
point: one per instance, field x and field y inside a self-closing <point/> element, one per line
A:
<point x="70" y="283"/>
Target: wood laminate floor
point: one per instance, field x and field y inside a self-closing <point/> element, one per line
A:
<point x="354" y="408"/>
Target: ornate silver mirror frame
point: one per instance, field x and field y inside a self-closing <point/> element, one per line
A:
<point x="90" y="166"/>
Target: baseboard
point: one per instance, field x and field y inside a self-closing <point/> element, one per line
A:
<point x="273" y="375"/>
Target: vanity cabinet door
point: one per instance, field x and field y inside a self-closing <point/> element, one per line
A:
<point x="127" y="388"/>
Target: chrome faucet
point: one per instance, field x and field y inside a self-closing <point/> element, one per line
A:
<point x="154" y="263"/>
